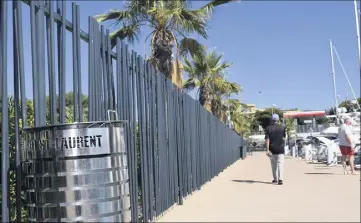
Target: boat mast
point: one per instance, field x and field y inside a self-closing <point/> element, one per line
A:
<point x="348" y="81"/>
<point x="333" y="77"/>
<point x="357" y="32"/>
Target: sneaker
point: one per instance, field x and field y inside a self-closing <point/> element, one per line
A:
<point x="274" y="181"/>
<point x="280" y="182"/>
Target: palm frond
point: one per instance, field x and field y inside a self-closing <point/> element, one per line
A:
<point x="190" y="21"/>
<point x="118" y="15"/>
<point x="131" y="33"/>
<point x="191" y="83"/>
<point x="188" y="68"/>
<point x="191" y="46"/>
<point x="208" y="8"/>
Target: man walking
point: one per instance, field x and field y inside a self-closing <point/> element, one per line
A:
<point x="275" y="144"/>
<point x="346" y="145"/>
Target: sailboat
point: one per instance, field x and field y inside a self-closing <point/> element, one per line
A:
<point x="342" y="113"/>
<point x="324" y="146"/>
<point x="334" y="50"/>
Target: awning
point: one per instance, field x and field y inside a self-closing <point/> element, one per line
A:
<point x="303" y="114"/>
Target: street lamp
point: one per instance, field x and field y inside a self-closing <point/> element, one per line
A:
<point x="273" y="106"/>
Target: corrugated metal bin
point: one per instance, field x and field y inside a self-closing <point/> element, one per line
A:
<point x="76" y="173"/>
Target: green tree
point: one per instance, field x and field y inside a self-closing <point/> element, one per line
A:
<point x="263" y="118"/>
<point x="330" y="111"/>
<point x="348" y="105"/>
<point x="242" y="122"/>
<point x="220" y="90"/>
<point x="170" y="22"/>
<point x="290" y="127"/>
<point x="322" y="120"/>
<point x="203" y="71"/>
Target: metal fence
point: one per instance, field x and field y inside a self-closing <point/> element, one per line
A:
<point x="310" y="128"/>
<point x="174" y="145"/>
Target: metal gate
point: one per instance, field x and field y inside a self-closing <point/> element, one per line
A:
<point x="174" y="146"/>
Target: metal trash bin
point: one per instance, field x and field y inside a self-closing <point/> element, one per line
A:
<point x="76" y="173"/>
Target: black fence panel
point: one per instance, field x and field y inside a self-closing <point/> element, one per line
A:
<point x="173" y="145"/>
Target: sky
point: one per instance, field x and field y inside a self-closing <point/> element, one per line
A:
<point x="280" y="48"/>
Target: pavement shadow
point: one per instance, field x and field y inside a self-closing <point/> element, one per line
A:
<point x="251" y="182"/>
<point x="320" y="173"/>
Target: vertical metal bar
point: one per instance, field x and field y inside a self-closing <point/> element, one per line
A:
<point x="155" y="139"/>
<point x="148" y="146"/>
<point x="17" y="70"/>
<point x="151" y="139"/>
<point x="96" y="62"/>
<point x="173" y="146"/>
<point x="183" y="146"/>
<point x="33" y="57"/>
<point x="119" y="84"/>
<point x="5" y="207"/>
<point x="170" y="144"/>
<point x="129" y="108"/>
<point x="78" y="55"/>
<point x="179" y="146"/>
<point x="161" y="142"/>
<point x="158" y="189"/>
<point x="124" y="103"/>
<point x="126" y="108"/>
<point x="51" y="62"/>
<point x="188" y="138"/>
<point x="41" y="66"/>
<point x="132" y="115"/>
<point x="61" y="9"/>
<point x="199" y="145"/>
<point x="175" y="143"/>
<point x="75" y="65"/>
<point x="97" y="84"/>
<point x="165" y="146"/>
<point x="90" y="70"/>
<point x="95" y="72"/>
<point x="109" y="76"/>
<point x="166" y="157"/>
<point x="21" y="62"/>
<point x="104" y="67"/>
<point x="193" y="146"/>
<point x="141" y="128"/>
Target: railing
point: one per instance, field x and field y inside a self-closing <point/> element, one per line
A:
<point x="174" y="146"/>
<point x="310" y="128"/>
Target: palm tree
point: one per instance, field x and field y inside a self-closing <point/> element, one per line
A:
<point x="170" y="21"/>
<point x="204" y="70"/>
<point x="242" y="122"/>
<point x="221" y="89"/>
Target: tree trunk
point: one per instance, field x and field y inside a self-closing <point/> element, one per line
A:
<point x="162" y="45"/>
<point x="216" y="110"/>
<point x="203" y="96"/>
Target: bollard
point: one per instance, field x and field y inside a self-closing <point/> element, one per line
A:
<point x="308" y="152"/>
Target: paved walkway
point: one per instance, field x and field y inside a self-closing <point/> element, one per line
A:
<point x="311" y="192"/>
